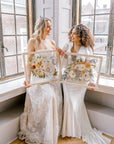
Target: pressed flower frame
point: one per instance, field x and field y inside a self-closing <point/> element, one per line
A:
<point x="81" y="70"/>
<point x="41" y="67"/>
<point x="73" y="69"/>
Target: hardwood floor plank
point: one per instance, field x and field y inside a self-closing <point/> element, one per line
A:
<point x="65" y="140"/>
<point x="22" y="143"/>
<point x="17" y="141"/>
<point x="70" y="141"/>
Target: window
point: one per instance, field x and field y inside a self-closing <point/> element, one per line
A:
<point x="13" y="36"/>
<point x="99" y="17"/>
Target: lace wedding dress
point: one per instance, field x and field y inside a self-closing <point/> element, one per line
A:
<point x="76" y="122"/>
<point x="41" y="121"/>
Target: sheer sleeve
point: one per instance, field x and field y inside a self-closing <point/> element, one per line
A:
<point x="67" y="47"/>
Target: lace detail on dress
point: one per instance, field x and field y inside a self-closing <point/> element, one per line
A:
<point x="95" y="137"/>
<point x="41" y="121"/>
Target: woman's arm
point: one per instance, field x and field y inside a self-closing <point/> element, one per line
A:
<point x="60" y="51"/>
<point x="30" y="48"/>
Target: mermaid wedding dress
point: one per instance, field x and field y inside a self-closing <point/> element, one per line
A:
<point x="41" y="120"/>
<point x="75" y="120"/>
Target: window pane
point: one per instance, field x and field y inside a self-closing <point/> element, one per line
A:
<point x="21" y="24"/>
<point x="7" y="6"/>
<point x="0" y="65"/>
<point x="101" y="24"/>
<point x="14" y="22"/>
<point x="112" y="70"/>
<point x="9" y="43"/>
<point x="22" y="44"/>
<point x="10" y="65"/>
<point x="100" y="44"/>
<point x="0" y="74"/>
<point x="20" y="64"/>
<point x="20" y="6"/>
<point x="102" y="6"/>
<point x="113" y="46"/>
<point x="87" y="7"/>
<point x="103" y="67"/>
<point x="8" y="24"/>
<point x="88" y="21"/>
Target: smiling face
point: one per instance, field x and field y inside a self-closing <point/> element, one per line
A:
<point x="74" y="37"/>
<point x="48" y="28"/>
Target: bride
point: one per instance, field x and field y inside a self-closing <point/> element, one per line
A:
<point x="41" y="120"/>
<point x="76" y="122"/>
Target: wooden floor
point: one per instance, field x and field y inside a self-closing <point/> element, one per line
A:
<point x="63" y="141"/>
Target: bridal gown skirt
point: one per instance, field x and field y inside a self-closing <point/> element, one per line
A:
<point x="75" y="121"/>
<point x="41" y="121"/>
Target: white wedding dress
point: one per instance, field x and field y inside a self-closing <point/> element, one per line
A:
<point x="41" y="121"/>
<point x="75" y="121"/>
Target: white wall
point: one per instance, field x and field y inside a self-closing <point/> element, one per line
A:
<point x="60" y="12"/>
<point x="100" y="98"/>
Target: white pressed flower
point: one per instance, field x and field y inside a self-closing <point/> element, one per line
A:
<point x="49" y="69"/>
<point x="86" y="76"/>
<point x="77" y="67"/>
<point x="44" y="61"/>
<point x="81" y="67"/>
<point x="72" y="74"/>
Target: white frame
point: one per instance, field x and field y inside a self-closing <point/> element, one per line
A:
<point x="60" y="68"/>
<point x="80" y="85"/>
<point x="40" y="51"/>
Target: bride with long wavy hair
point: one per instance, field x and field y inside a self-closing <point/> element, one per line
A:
<point x="41" y="120"/>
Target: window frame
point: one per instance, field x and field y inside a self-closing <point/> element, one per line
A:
<point x="29" y="17"/>
<point x="109" y="47"/>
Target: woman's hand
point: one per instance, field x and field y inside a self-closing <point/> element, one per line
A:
<point x="92" y="85"/>
<point x="60" y="51"/>
<point x="27" y="86"/>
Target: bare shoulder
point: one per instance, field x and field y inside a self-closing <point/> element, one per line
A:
<point x="31" y="44"/>
<point x="31" y="41"/>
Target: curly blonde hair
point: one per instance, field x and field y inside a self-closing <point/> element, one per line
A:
<point x="84" y="35"/>
<point x="39" y="29"/>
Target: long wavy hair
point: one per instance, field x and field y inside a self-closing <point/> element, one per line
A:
<point x="84" y="36"/>
<point x="39" y="29"/>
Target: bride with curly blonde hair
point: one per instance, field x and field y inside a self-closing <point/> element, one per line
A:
<point x="41" y="120"/>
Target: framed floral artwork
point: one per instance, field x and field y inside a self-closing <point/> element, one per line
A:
<point x="81" y="70"/>
<point x="41" y="67"/>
